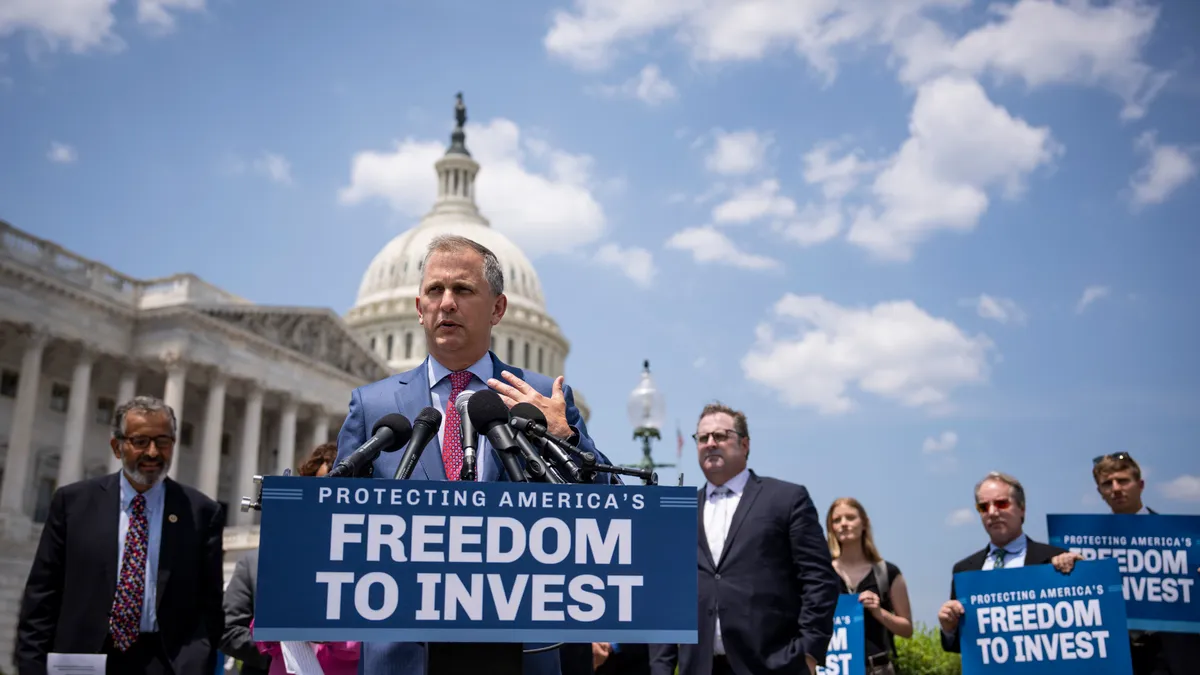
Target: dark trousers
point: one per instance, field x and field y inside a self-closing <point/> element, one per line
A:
<point x="721" y="665"/>
<point x="145" y="656"/>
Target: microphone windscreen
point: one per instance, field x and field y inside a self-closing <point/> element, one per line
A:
<point x="487" y="409"/>
<point x="401" y="430"/>
<point x="529" y="411"/>
<point x="429" y="416"/>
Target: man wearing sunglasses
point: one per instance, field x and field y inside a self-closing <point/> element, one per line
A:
<point x="1119" y="481"/>
<point x="767" y="590"/>
<point x="1000" y="501"/>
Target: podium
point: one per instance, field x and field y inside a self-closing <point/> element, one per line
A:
<point x="476" y="571"/>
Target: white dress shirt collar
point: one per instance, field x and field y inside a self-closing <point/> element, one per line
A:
<point x="736" y="485"/>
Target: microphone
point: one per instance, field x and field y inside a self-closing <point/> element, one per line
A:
<point x="489" y="415"/>
<point x="425" y="427"/>
<point x="388" y="435"/>
<point x="523" y="416"/>
<point x="470" y="437"/>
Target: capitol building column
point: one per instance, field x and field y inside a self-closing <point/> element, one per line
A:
<point x="126" y="390"/>
<point x="286" y="458"/>
<point x="248" y="457"/>
<point x="214" y="424"/>
<point x="173" y="395"/>
<point x="70" y="461"/>
<point x="320" y="433"/>
<point x="20" y="437"/>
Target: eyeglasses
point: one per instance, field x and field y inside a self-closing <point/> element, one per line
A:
<point x="719" y="436"/>
<point x="1000" y="504"/>
<point x="143" y="442"/>
<point x="1115" y="455"/>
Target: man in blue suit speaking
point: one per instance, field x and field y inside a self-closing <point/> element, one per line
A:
<point x="461" y="297"/>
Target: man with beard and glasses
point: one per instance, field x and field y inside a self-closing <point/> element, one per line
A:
<point x="1000" y="501"/>
<point x="767" y="590"/>
<point x="129" y="564"/>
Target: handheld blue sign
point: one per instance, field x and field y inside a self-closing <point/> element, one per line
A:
<point x="1038" y="621"/>
<point x="1158" y="556"/>
<point x="845" y="653"/>
<point x="416" y="561"/>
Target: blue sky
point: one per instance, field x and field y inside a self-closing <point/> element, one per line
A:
<point x="915" y="241"/>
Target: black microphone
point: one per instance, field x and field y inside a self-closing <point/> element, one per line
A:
<point x="470" y="437"/>
<point x="389" y="434"/>
<point x="490" y="416"/>
<point x="425" y="427"/>
<point x="523" y="416"/>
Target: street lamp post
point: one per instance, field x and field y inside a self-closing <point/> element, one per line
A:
<point x="647" y="409"/>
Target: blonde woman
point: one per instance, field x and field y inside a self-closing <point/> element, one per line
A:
<point x="881" y="588"/>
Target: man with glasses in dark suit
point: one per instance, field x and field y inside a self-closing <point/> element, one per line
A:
<point x="129" y="564"/>
<point x="1119" y="482"/>
<point x="1000" y="501"/>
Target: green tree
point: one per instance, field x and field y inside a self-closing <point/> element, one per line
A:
<point x="923" y="654"/>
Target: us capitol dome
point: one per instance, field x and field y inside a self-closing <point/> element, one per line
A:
<point x="385" y="316"/>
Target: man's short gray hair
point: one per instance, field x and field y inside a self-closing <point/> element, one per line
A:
<point x="146" y="405"/>
<point x="1017" y="490"/>
<point x="492" y="271"/>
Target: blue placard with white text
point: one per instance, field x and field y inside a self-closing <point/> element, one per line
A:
<point x="1159" y="560"/>
<point x="1036" y="620"/>
<point x="418" y="561"/>
<point x="845" y="653"/>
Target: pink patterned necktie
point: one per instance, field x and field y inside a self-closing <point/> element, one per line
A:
<point x="126" y="619"/>
<point x="452" y="452"/>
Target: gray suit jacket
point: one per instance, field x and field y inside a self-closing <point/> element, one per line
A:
<point x="239" y="610"/>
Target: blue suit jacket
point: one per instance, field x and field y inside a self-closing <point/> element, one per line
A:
<point x="408" y="393"/>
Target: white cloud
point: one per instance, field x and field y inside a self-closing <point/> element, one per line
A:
<point x="275" y="167"/>
<point x="538" y="195"/>
<point x="748" y="204"/>
<point x="75" y="25"/>
<point x="814" y="225"/>
<point x="813" y="351"/>
<point x="737" y="152"/>
<point x="635" y="263"/>
<point x="1043" y="43"/>
<point x="1184" y="488"/>
<point x="960" y="517"/>
<point x="998" y="309"/>
<point x="649" y="86"/>
<point x="708" y="245"/>
<point x="156" y="14"/>
<point x="944" y="442"/>
<point x="1167" y="168"/>
<point x="1091" y="294"/>
<point x="960" y="145"/>
<point x="61" y="153"/>
<point x="836" y="177"/>
<point x="1039" y="42"/>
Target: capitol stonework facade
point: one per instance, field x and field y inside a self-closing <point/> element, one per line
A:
<point x="255" y="387"/>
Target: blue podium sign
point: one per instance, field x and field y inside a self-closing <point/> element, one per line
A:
<point x="1038" y="621"/>
<point x="417" y="561"/>
<point x="848" y="644"/>
<point x="1158" y="556"/>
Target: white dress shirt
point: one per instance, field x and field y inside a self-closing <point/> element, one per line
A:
<point x="720" y="504"/>
<point x="1014" y="553"/>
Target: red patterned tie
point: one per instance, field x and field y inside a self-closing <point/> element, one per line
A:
<point x="126" y="619"/>
<point x="452" y="452"/>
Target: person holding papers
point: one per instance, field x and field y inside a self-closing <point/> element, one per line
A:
<point x="461" y="297"/>
<point x="1000" y="501"/>
<point x="1119" y="481"/>
<point x="129" y="564"/>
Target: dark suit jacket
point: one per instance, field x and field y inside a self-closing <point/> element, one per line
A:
<point x="774" y="587"/>
<point x="73" y="581"/>
<point x="408" y="393"/>
<point x="239" y="611"/>
<point x="1036" y="553"/>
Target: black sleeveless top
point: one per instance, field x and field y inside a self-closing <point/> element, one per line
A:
<point x="877" y="638"/>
